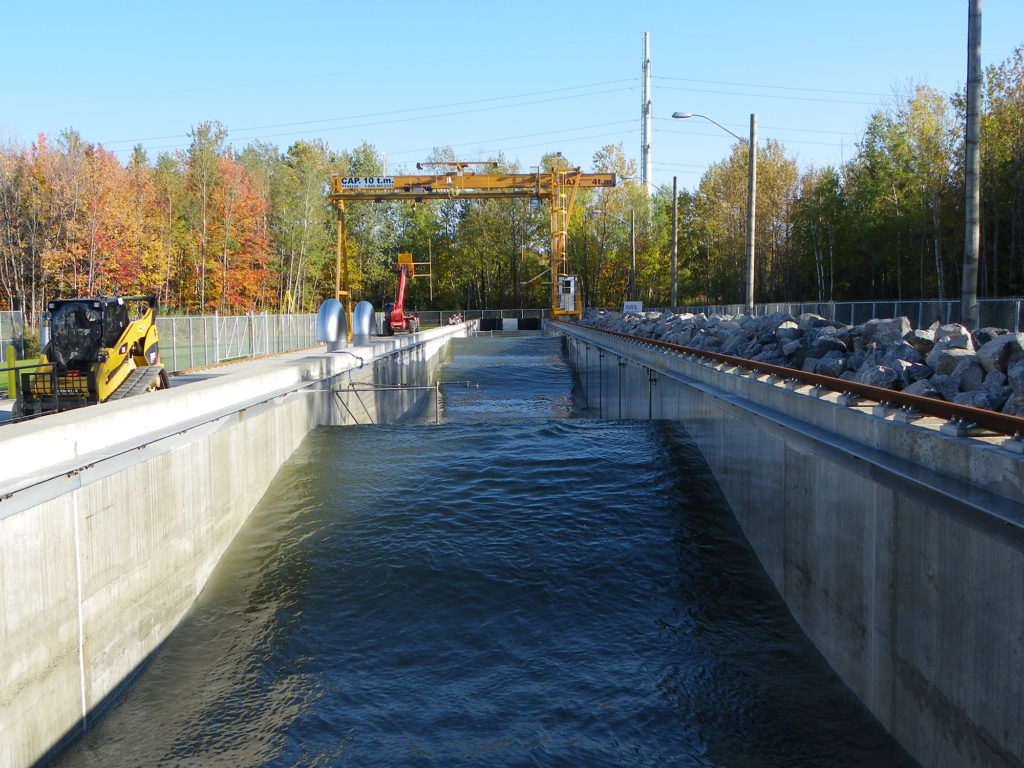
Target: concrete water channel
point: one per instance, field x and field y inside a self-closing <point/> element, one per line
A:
<point x="898" y="548"/>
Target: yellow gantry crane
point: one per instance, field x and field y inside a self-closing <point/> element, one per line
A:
<point x="559" y="186"/>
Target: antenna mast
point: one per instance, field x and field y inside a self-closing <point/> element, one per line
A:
<point x="645" y="113"/>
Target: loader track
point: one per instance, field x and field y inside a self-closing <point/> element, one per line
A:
<point x="140" y="380"/>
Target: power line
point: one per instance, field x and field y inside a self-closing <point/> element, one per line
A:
<point x="410" y="110"/>
<point x="771" y="87"/>
<point x="550" y="134"/>
<point x="768" y="96"/>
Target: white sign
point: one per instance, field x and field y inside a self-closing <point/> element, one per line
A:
<point x="632" y="307"/>
<point x="367" y="182"/>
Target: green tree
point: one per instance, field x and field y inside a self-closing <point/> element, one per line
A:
<point x="1002" y="177"/>
<point x="819" y="223"/>
<point x="303" y="224"/>
<point x="202" y="179"/>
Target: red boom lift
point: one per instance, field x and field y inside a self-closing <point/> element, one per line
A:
<point x="395" y="316"/>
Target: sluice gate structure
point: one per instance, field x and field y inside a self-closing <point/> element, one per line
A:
<point x="113" y="516"/>
<point x="897" y="545"/>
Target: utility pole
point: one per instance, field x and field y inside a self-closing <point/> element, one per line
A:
<point x="751" y="208"/>
<point x="645" y="115"/>
<point x="675" y="240"/>
<point x="632" y="255"/>
<point x="972" y="206"/>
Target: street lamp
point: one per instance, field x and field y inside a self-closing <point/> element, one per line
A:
<point x="632" y="248"/>
<point x="751" y="197"/>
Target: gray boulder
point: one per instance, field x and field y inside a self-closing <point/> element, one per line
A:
<point x="970" y="374"/>
<point x="858" y="358"/>
<point x="774" y="320"/>
<point x="921" y="340"/>
<point x="949" y="330"/>
<point x="1001" y="352"/>
<point x="998" y="397"/>
<point x="902" y="351"/>
<point x="919" y="371"/>
<point x="733" y="342"/>
<point x="984" y="398"/>
<point x="1015" y="378"/>
<point x="983" y="336"/>
<point x="903" y="372"/>
<point x="922" y="387"/>
<point x="945" y="359"/>
<point x="877" y="376"/>
<point x="1014" y="406"/>
<point x="824" y="344"/>
<point x="947" y="386"/>
<point x="995" y="379"/>
<point x="788" y="331"/>
<point x="832" y="364"/>
<point x="979" y="398"/>
<point x="886" y="331"/>
<point x="809" y="321"/>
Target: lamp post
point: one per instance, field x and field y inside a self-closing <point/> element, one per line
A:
<point x="751" y="197"/>
<point x="632" y="248"/>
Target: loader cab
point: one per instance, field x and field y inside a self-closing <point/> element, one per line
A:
<point x="76" y="331"/>
<point x="80" y="328"/>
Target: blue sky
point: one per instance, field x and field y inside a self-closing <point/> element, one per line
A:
<point x="522" y="78"/>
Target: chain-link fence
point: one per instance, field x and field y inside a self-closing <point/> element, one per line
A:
<point x="194" y="342"/>
<point x="12" y="333"/>
<point x="198" y="341"/>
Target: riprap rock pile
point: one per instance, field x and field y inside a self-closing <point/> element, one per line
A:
<point x="982" y="368"/>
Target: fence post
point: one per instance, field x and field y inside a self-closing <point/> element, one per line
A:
<point x="216" y="336"/>
<point x="12" y="375"/>
<point x="191" y="345"/>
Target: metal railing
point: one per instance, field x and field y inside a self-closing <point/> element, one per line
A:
<point x="992" y="313"/>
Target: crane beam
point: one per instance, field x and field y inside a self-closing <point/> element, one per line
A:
<point x="559" y="186"/>
<point x="376" y="188"/>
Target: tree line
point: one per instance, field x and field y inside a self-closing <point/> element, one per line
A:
<point x="216" y="228"/>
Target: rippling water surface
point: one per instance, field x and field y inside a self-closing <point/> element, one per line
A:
<point x="518" y="586"/>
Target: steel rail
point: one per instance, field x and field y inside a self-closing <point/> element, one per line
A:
<point x="993" y="421"/>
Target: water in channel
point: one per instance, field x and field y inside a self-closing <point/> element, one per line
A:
<point x="520" y="586"/>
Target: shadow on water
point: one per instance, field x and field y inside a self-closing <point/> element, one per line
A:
<point x="520" y="586"/>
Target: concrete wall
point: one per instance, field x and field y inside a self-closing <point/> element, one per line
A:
<point x="113" y="517"/>
<point x="898" y="549"/>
